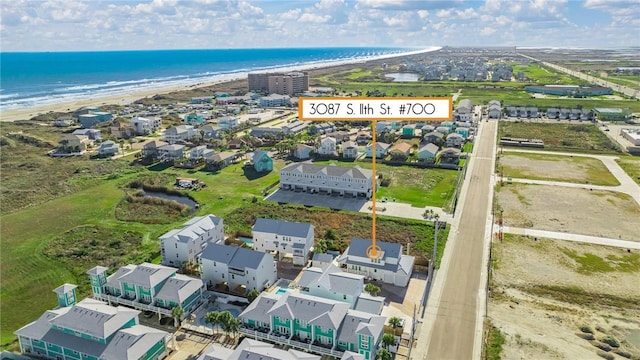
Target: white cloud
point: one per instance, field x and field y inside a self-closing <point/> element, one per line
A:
<point x="314" y="18"/>
<point x="423" y="14"/>
<point x="444" y="13"/>
<point x="486" y="31"/>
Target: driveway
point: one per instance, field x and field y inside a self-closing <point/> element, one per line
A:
<point x="327" y="201"/>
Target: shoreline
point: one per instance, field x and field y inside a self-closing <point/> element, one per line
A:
<point x="131" y="96"/>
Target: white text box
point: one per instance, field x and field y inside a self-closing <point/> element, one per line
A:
<point x="410" y="108"/>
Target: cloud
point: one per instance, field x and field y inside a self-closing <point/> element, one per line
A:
<point x="486" y="31"/>
<point x="621" y="11"/>
<point x="314" y="18"/>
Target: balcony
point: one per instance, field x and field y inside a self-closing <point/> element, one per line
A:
<point x="283" y="340"/>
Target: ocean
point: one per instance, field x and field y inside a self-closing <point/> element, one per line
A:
<point x="42" y="78"/>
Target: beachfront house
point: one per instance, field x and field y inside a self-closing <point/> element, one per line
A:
<point x="74" y="143"/>
<point x="236" y="269"/>
<point x="313" y="324"/>
<point x="92" y="330"/>
<point x="393" y="267"/>
<point x="285" y="238"/>
<point x="146" y="125"/>
<point x="178" y="246"/>
<point x="148" y="287"/>
<point x="93" y="118"/>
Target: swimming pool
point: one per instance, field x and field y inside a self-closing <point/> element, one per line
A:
<point x="246" y="240"/>
<point x="282" y="291"/>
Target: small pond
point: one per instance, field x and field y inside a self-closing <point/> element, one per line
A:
<point x="181" y="199"/>
<point x="402" y="77"/>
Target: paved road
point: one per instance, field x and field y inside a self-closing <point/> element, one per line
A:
<point x="620" y="88"/>
<point x="452" y="328"/>
<point x="627" y="244"/>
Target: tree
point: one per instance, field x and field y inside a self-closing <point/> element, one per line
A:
<point x="372" y="289"/>
<point x="383" y="354"/>
<point x="395" y="322"/>
<point x="388" y="339"/>
<point x="252" y="295"/>
<point x="177" y="313"/>
<point x="224" y="318"/>
<point x="233" y="326"/>
<point x="212" y="318"/>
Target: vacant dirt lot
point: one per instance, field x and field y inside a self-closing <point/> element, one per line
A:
<point x="543" y="291"/>
<point x="556" y="168"/>
<point x="579" y="211"/>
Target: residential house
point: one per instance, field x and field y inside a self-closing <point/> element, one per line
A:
<point x="200" y="152"/>
<point x="313" y="324"/>
<point x="92" y="134"/>
<point x="122" y="130"/>
<point x="250" y="349"/>
<point x="463" y="131"/>
<point x="363" y="138"/>
<point x="464" y="110"/>
<point x="553" y="113"/>
<point x="261" y="161"/>
<point x="340" y="136"/>
<point x="533" y="112"/>
<point x="349" y="150"/>
<point x="302" y="151"/>
<point x="172" y="152"/>
<point x="74" y="143"/>
<point x="434" y="137"/>
<point x="443" y="130"/>
<point x="428" y="152"/>
<point x="236" y="144"/>
<point x="393" y="267"/>
<point x="321" y="260"/>
<point x="220" y="160"/>
<point x="427" y="129"/>
<point x="201" y="100"/>
<point x="210" y="132"/>
<point x="151" y="148"/>
<point x="241" y="269"/>
<point x="146" y="126"/>
<point x="449" y="155"/>
<point x="321" y="128"/>
<point x="454" y="140"/>
<point x="92" y="330"/>
<point x="575" y="114"/>
<point x="512" y="111"/>
<point x="522" y="112"/>
<point x="284" y="237"/>
<point x="147" y="286"/>
<point x="408" y="130"/>
<point x="327" y="146"/>
<point x="180" y="133"/>
<point x="93" y="118"/>
<point x="400" y="151"/>
<point x="328" y="179"/>
<point x="108" y="148"/>
<point x="194" y="119"/>
<point x="182" y="245"/>
<point x="295" y="127"/>
<point x="228" y="122"/>
<point x="495" y="109"/>
<point x="564" y="113"/>
<point x="274" y="100"/>
<point x="331" y="283"/>
<point x="381" y="150"/>
<point x="261" y="132"/>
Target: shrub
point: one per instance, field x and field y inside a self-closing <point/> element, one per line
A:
<point x="624" y="354"/>
<point x="586" y="336"/>
<point x="611" y="341"/>
<point x="601" y="346"/>
<point x="586" y="329"/>
<point x="605" y="355"/>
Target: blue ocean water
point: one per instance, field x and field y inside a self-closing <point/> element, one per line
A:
<point x="32" y="79"/>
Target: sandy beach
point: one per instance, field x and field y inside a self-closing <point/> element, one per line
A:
<point x="130" y="97"/>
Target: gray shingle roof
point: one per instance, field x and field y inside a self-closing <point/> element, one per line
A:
<point x="194" y="228"/>
<point x="329" y="170"/>
<point x="251" y="349"/>
<point x="369" y="304"/>
<point x="148" y="275"/>
<point x="97" y="270"/>
<point x="358" y="322"/>
<point x="259" y="307"/>
<point x="348" y="355"/>
<point x="358" y="247"/>
<point x="283" y="228"/>
<point x="64" y="288"/>
<point x="132" y="343"/>
<point x="234" y="256"/>
<point x="312" y="309"/>
<point x="335" y="280"/>
<point x="113" y="280"/>
<point x="179" y="288"/>
<point x="95" y="318"/>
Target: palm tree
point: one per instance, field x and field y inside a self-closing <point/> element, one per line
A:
<point x="233" y="326"/>
<point x="383" y="354"/>
<point x="388" y="339"/>
<point x="372" y="289"/>
<point x="224" y="319"/>
<point x="177" y="313"/>
<point x="212" y="318"/>
<point x="395" y="322"/>
<point x="252" y="295"/>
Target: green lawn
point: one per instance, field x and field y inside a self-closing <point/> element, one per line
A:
<point x="631" y="165"/>
<point x="546" y="76"/>
<point x="415" y="186"/>
<point x="542" y="167"/>
<point x="561" y="137"/>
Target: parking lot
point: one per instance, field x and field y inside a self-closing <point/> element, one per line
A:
<point x="334" y="201"/>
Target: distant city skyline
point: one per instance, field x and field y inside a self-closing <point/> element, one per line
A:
<point x="76" y="25"/>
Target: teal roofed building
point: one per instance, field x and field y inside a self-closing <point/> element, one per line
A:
<point x="261" y="161"/>
<point x="92" y="330"/>
<point x="194" y="119"/>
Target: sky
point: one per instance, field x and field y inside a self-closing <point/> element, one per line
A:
<point x="77" y="25"/>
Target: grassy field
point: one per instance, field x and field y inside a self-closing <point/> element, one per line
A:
<point x="631" y="165"/>
<point x="546" y="76"/>
<point x="561" y="137"/>
<point x="537" y="167"/>
<point x="415" y="186"/>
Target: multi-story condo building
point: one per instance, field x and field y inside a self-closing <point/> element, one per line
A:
<point x="392" y="267"/>
<point x="91" y="330"/>
<point x="242" y="269"/>
<point x="284" y="237"/>
<point x="148" y="287"/>
<point x="313" y="324"/>
<point x="328" y="179"/>
<point x="184" y="245"/>
<point x="279" y="83"/>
